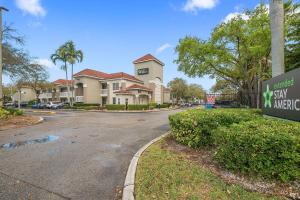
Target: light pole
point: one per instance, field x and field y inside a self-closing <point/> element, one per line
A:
<point x="1" y="34"/>
<point x="277" y="30"/>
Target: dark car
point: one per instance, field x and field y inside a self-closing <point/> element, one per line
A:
<point x="23" y="104"/>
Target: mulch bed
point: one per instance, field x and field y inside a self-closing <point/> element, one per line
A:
<point x="18" y="121"/>
<point x="203" y="157"/>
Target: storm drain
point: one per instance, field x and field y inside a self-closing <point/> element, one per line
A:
<point x="12" y="145"/>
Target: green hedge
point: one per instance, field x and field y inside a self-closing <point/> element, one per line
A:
<point x="115" y="107"/>
<point x="165" y="105"/>
<point x="265" y="147"/>
<point x="194" y="127"/>
<point x="138" y="107"/>
<point x="85" y="104"/>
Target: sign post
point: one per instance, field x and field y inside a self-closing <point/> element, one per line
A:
<point x="281" y="96"/>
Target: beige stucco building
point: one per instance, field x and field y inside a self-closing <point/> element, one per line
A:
<point x="95" y="87"/>
<point x="25" y="94"/>
<point x="146" y="86"/>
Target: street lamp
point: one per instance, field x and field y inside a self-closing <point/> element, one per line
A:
<point x="277" y="29"/>
<point x="1" y="34"/>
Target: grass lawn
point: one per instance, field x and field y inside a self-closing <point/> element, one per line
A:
<point x="162" y="174"/>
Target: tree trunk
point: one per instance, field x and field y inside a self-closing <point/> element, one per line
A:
<point x="68" y="87"/>
<point x="277" y="30"/>
<point x="19" y="102"/>
<point x="72" y="85"/>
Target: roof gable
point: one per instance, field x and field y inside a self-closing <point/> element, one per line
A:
<point x="91" y="73"/>
<point x="147" y="58"/>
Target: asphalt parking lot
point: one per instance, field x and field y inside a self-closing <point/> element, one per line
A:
<point x="87" y="160"/>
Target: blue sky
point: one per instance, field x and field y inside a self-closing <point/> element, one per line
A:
<point x="113" y="33"/>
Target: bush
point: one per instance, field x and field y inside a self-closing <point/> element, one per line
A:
<point x="7" y="112"/>
<point x="85" y="104"/>
<point x="165" y="105"/>
<point x="4" y="114"/>
<point x="265" y="147"/>
<point x="115" y="107"/>
<point x="194" y="127"/>
<point x="138" y="107"/>
<point x="32" y="102"/>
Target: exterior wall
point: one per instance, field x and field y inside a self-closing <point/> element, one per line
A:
<point x="123" y="98"/>
<point x="157" y="87"/>
<point x="27" y="94"/>
<point x="155" y="71"/>
<point x="91" y="89"/>
<point x="167" y="97"/>
<point x="122" y="84"/>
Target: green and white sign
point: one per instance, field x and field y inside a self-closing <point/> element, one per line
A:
<point x="281" y="96"/>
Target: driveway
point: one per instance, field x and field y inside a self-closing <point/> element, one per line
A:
<point x="89" y="159"/>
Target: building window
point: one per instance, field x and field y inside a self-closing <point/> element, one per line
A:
<point x="116" y="86"/>
<point x="119" y="101"/>
<point x="114" y="100"/>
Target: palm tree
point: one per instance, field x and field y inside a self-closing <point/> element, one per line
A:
<point x="62" y="55"/>
<point x="74" y="56"/>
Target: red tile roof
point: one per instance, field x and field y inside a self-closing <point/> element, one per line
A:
<point x="136" y="86"/>
<point x="102" y="75"/>
<point x="92" y="73"/>
<point x="122" y="75"/>
<point x="62" y="82"/>
<point x="122" y="92"/>
<point x="146" y="58"/>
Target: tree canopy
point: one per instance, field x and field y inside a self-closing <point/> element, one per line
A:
<point x="237" y="52"/>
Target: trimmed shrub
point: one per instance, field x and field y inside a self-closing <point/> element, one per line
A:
<point x="194" y="127"/>
<point x="138" y="107"/>
<point x="85" y="104"/>
<point x="264" y="147"/>
<point x="165" y="105"/>
<point x="32" y="102"/>
<point x="7" y="112"/>
<point x="14" y="112"/>
<point x="4" y="114"/>
<point x="115" y="107"/>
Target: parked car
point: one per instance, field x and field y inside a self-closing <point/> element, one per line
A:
<point x="10" y="104"/>
<point x="23" y="104"/>
<point x="39" y="106"/>
<point x="54" y="105"/>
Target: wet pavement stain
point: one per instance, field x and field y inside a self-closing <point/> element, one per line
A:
<point x="12" y="145"/>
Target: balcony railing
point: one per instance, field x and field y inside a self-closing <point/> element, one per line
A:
<point x="65" y="94"/>
<point x="104" y="92"/>
<point x="45" y="95"/>
<point x="79" y="99"/>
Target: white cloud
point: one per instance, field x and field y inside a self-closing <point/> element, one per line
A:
<point x="32" y="7"/>
<point x="233" y="15"/>
<point x="45" y="62"/>
<point x="163" y="47"/>
<point x="194" y="5"/>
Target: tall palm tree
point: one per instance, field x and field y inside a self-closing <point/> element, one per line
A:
<point x="61" y="55"/>
<point x="74" y="56"/>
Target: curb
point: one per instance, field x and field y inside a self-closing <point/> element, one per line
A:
<point x="41" y="119"/>
<point x="128" y="189"/>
